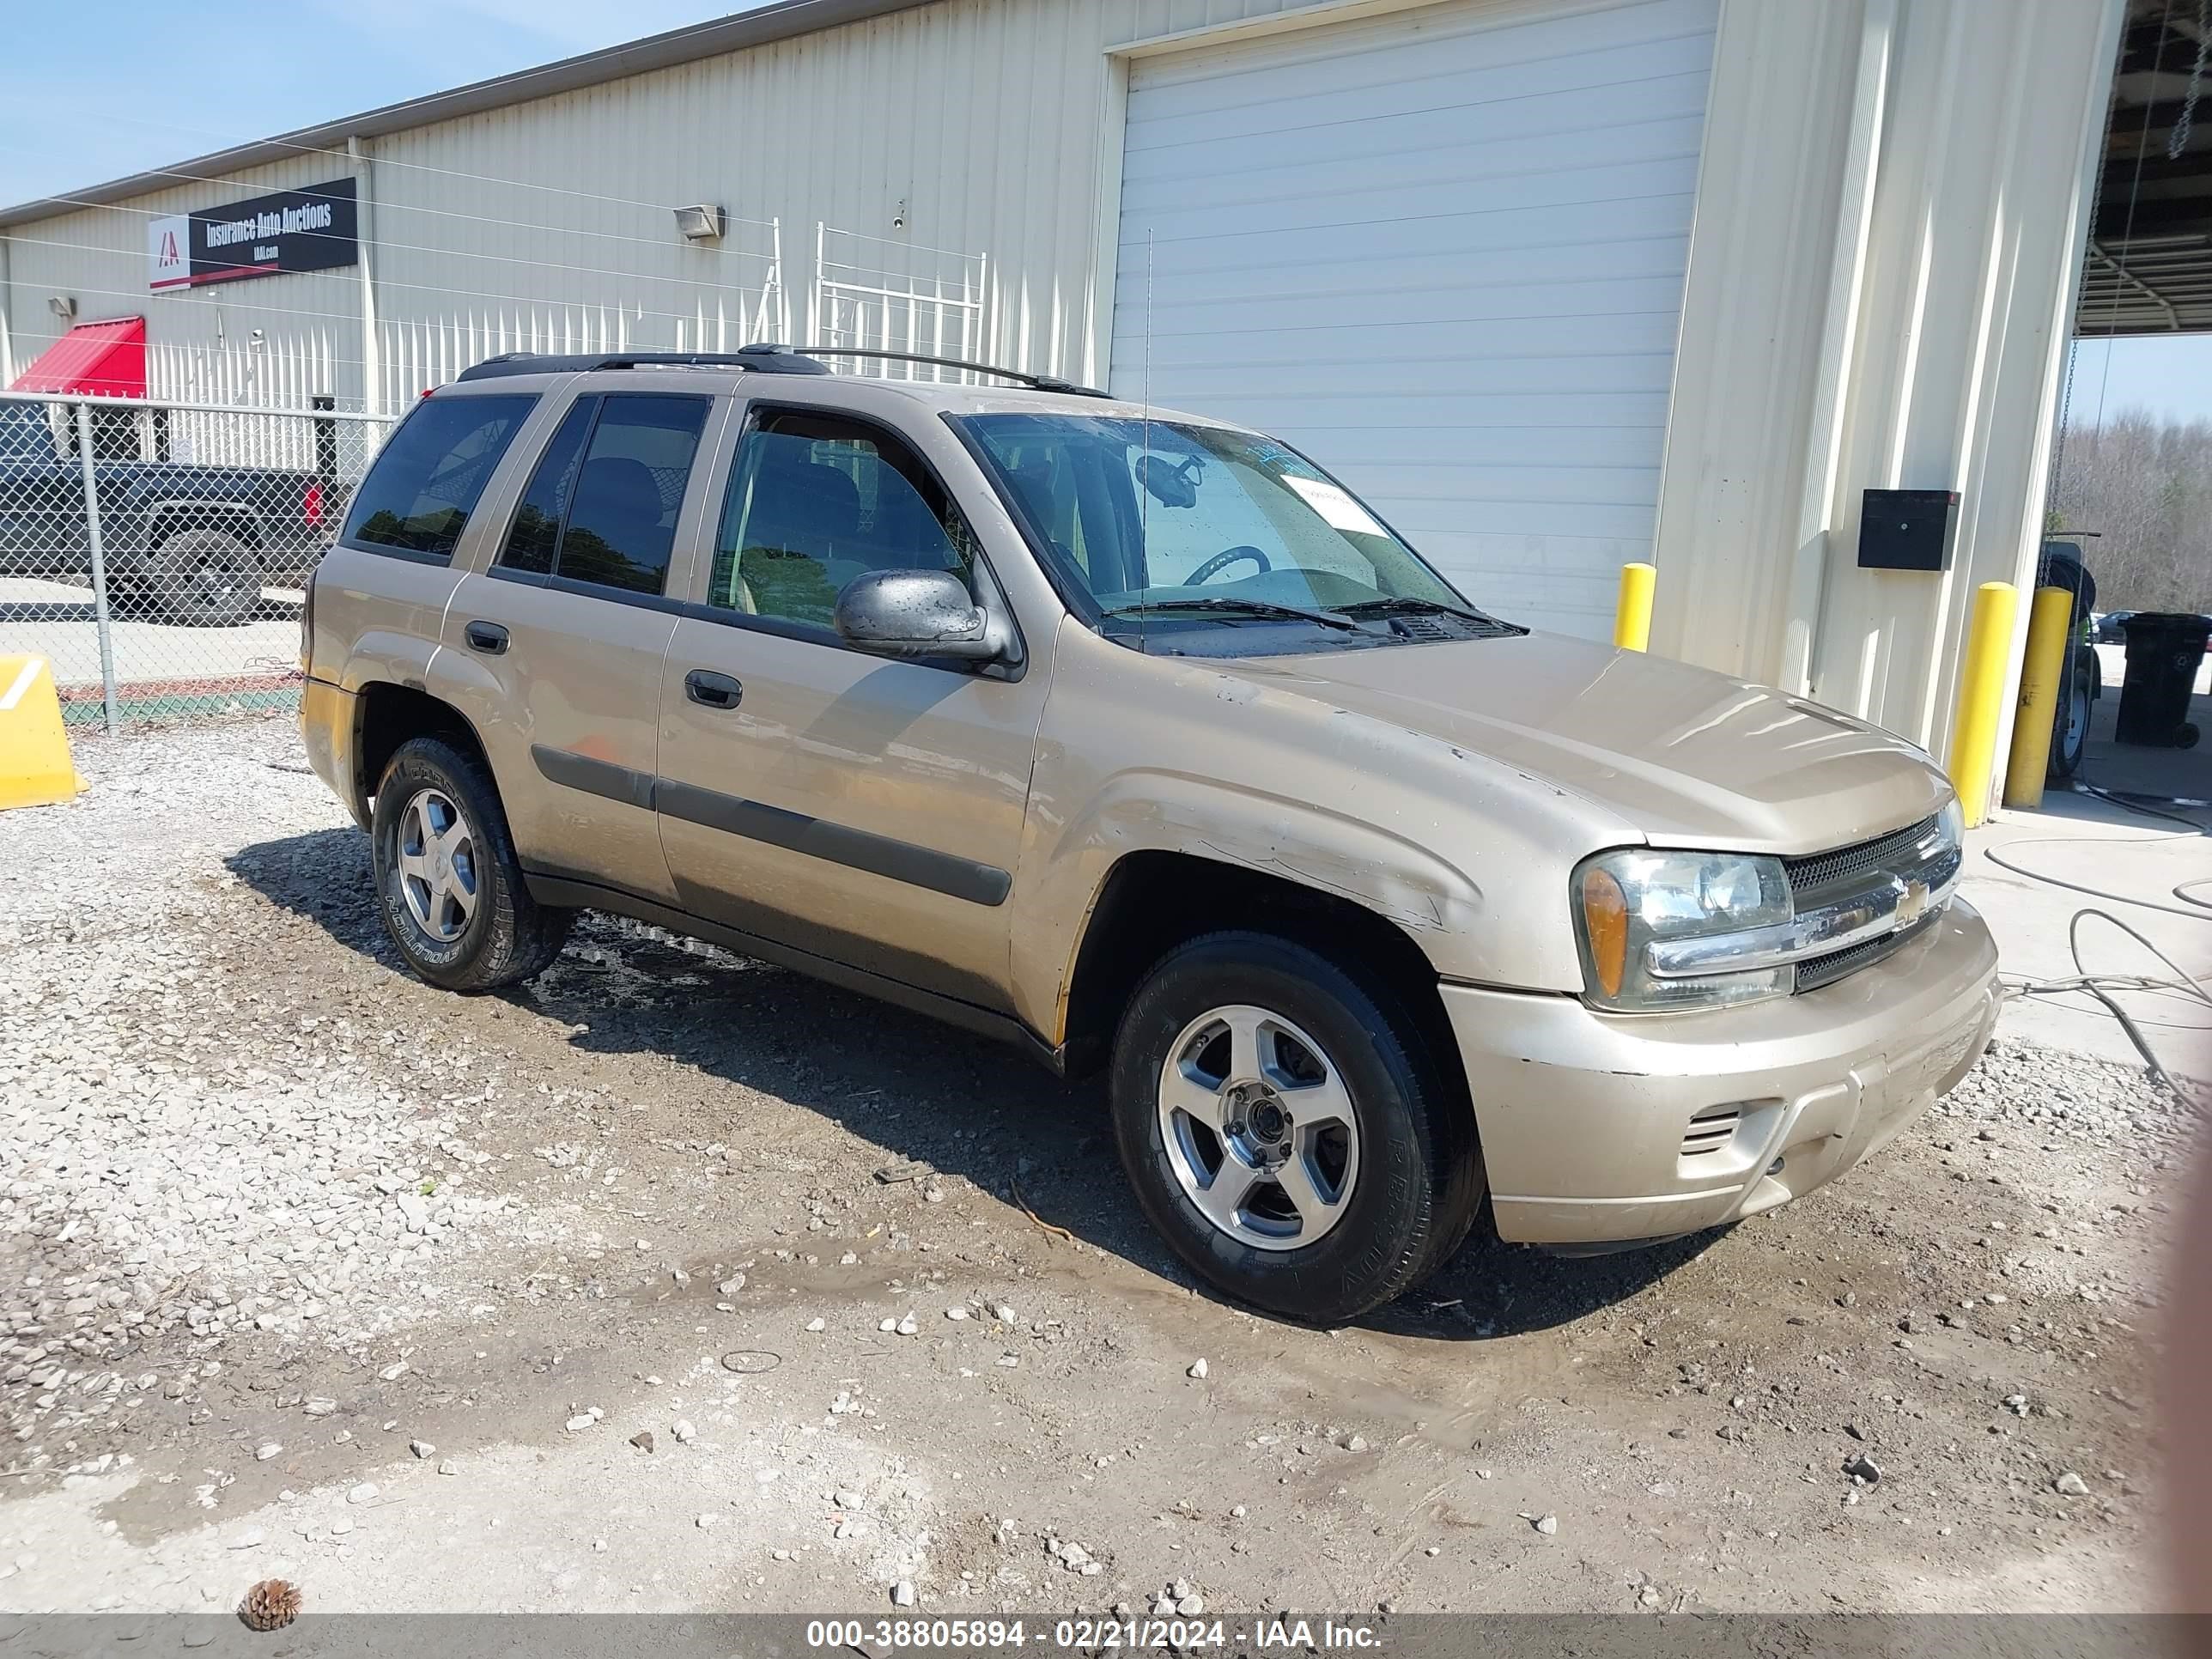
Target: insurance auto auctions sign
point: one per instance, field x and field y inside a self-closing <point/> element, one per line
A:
<point x="310" y="229"/>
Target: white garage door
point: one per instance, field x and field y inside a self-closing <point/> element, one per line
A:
<point x="1443" y="253"/>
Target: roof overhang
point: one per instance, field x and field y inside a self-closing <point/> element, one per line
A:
<point x="761" y="26"/>
<point x="2149" y="264"/>
<point x="98" y="360"/>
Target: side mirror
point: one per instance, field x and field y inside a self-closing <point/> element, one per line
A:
<point x="916" y="613"/>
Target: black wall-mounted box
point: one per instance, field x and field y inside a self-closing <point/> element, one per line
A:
<point x="1908" y="529"/>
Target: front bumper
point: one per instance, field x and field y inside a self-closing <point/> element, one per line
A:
<point x="1598" y="1128"/>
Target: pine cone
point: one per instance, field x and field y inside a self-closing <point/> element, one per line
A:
<point x="270" y="1605"/>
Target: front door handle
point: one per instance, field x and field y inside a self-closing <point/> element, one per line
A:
<point x="487" y="637"/>
<point x="704" y="686"/>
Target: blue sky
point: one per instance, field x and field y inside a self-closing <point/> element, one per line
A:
<point x="98" y="89"/>
<point x="105" y="88"/>
<point x="2170" y="377"/>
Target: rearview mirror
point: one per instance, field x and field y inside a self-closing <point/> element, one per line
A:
<point x="1168" y="483"/>
<point x="916" y="613"/>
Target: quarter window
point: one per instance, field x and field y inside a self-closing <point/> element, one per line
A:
<point x="425" y="483"/>
<point x="816" y="500"/>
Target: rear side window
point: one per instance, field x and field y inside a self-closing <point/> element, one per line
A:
<point x="418" y="497"/>
<point x="620" y="527"/>
<point x="536" y="530"/>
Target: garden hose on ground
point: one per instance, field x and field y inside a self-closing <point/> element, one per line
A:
<point x="2102" y="987"/>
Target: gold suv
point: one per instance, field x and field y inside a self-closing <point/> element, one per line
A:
<point x="1136" y="739"/>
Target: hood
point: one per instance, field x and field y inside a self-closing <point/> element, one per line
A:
<point x="1689" y="758"/>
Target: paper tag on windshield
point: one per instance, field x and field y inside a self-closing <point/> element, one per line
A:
<point x="1338" y="510"/>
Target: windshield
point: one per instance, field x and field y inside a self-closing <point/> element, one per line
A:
<point x="1210" y="527"/>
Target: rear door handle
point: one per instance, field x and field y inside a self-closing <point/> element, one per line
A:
<point x="704" y="686"/>
<point x="487" y="637"/>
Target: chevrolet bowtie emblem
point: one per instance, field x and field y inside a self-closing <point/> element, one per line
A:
<point x="1911" y="903"/>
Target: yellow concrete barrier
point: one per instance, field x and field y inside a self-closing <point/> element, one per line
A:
<point x="2050" y="629"/>
<point x="1981" y="696"/>
<point x="1631" y="617"/>
<point x="35" y="767"/>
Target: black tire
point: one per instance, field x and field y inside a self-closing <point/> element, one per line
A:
<point x="508" y="936"/>
<point x="1419" y="1182"/>
<point x="204" y="578"/>
<point x="2069" y="728"/>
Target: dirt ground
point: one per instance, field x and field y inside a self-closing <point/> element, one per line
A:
<point x="575" y="1298"/>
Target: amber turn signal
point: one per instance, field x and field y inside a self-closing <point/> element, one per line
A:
<point x="1604" y="925"/>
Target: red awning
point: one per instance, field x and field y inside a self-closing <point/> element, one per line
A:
<point x="100" y="359"/>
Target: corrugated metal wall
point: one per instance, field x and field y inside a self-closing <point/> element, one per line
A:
<point x="547" y="225"/>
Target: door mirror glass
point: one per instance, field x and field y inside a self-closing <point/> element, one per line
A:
<point x="915" y="613"/>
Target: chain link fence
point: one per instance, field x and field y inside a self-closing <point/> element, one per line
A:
<point x="155" y="552"/>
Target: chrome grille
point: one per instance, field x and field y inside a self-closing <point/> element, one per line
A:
<point x="1847" y="868"/>
<point x="1914" y="854"/>
<point x="1839" y="964"/>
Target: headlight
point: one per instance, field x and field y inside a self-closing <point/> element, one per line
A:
<point x="1625" y="902"/>
<point x="1951" y="823"/>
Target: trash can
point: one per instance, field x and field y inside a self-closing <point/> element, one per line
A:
<point x="2164" y="648"/>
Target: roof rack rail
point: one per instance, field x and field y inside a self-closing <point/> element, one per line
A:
<point x="761" y="359"/>
<point x="1035" y="382"/>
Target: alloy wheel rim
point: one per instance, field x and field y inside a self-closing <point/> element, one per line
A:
<point x="436" y="866"/>
<point x="1259" y="1127"/>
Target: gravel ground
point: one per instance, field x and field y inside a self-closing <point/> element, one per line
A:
<point x="675" y="1282"/>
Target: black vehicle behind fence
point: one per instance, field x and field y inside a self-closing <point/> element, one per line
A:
<point x="182" y="541"/>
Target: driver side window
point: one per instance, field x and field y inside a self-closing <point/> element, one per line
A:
<point x="815" y="500"/>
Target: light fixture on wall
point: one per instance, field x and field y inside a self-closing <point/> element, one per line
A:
<point x="898" y="215"/>
<point x="702" y="223"/>
<point x="63" y="306"/>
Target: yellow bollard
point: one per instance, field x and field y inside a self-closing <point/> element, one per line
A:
<point x="35" y="767"/>
<point x="1632" y="620"/>
<point x="2050" y="628"/>
<point x="1981" y="696"/>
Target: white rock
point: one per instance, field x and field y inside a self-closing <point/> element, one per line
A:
<point x="421" y="1447"/>
<point x="265" y="1450"/>
<point x="955" y="1313"/>
<point x="364" y="1493"/>
<point x="1547" y="1524"/>
<point x="684" y="1432"/>
<point x="706" y="1520"/>
<point x="1198" y="1369"/>
<point x="902" y="1594"/>
<point x="817" y="1323"/>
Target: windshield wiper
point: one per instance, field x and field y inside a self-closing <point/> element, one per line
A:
<point x="1241" y="608"/>
<point x="1409" y="606"/>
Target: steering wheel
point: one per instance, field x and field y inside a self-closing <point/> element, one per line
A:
<point x="1223" y="560"/>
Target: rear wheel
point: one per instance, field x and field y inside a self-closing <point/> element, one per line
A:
<point x="452" y="895"/>
<point x="1285" y="1130"/>
<point x="2070" y="728"/>
<point x="204" y="578"/>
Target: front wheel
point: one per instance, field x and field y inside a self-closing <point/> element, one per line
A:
<point x="1286" y="1129"/>
<point x="448" y="884"/>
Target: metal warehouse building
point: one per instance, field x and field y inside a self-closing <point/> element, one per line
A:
<point x="1558" y="283"/>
